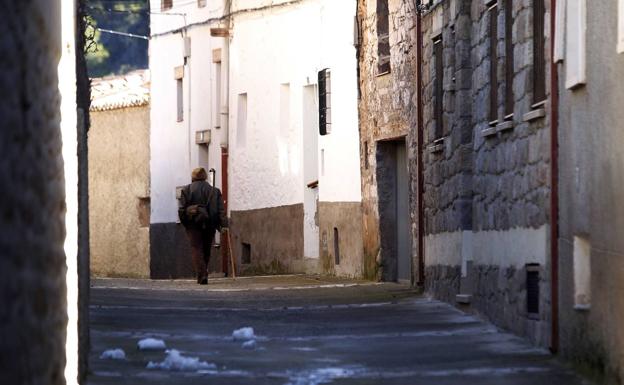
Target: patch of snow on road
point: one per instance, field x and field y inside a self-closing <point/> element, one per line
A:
<point x="243" y="334"/>
<point x="320" y="376"/>
<point x="113" y="354"/>
<point x="177" y="362"/>
<point x="249" y="345"/>
<point x="151" y="344"/>
<point x="304" y="349"/>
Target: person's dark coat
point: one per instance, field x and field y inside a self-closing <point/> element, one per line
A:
<point x="201" y="192"/>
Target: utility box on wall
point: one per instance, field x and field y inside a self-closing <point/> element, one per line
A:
<point x="202" y="137"/>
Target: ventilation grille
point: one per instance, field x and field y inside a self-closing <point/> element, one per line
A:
<point x="246" y="254"/>
<point x="532" y="290"/>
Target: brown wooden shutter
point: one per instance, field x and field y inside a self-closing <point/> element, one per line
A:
<point x="383" y="37"/>
<point x="539" y="68"/>
<point x="439" y="87"/>
<point x="509" y="58"/>
<point x="493" y="62"/>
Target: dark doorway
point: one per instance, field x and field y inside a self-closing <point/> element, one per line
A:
<point x="394" y="229"/>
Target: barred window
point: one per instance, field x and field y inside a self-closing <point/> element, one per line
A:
<point x="383" y="37"/>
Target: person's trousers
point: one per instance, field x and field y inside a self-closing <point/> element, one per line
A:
<point x="201" y="243"/>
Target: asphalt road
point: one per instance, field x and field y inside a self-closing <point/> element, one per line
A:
<point x="308" y="331"/>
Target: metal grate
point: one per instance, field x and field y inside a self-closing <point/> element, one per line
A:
<point x="324" y="89"/>
<point x="532" y="290"/>
<point x="383" y="37"/>
<point x="336" y="246"/>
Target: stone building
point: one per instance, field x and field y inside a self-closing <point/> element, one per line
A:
<point x="119" y="204"/>
<point x="590" y="50"/>
<point x="42" y="224"/>
<point x="486" y="159"/>
<point x="478" y="229"/>
<point x="388" y="67"/>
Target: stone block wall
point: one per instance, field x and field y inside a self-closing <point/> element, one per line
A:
<point x="33" y="315"/>
<point x="484" y="180"/>
<point x="387" y="109"/>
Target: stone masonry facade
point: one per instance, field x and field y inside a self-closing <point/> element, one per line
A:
<point x="387" y="109"/>
<point x="483" y="175"/>
<point x="486" y="171"/>
<point x="32" y="268"/>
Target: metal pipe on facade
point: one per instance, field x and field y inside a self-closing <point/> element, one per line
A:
<point x="554" y="192"/>
<point x="419" y="130"/>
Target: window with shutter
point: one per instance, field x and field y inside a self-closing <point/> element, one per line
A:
<point x="575" y="57"/>
<point x="383" y="37"/>
<point x="324" y="89"/>
<point x="166" y="4"/>
<point x="493" y="29"/>
<point x="539" y="65"/>
<point x="439" y="87"/>
<point x="509" y="59"/>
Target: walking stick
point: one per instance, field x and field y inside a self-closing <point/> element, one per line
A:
<point x="232" y="264"/>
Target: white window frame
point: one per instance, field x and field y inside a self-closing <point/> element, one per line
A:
<point x="576" y="43"/>
<point x="560" y="26"/>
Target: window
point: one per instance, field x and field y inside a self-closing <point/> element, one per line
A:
<point x="575" y="52"/>
<point x="284" y="109"/>
<point x="336" y="246"/>
<point x="438" y="87"/>
<point x="383" y="37"/>
<point x="366" y="165"/>
<point x="539" y="68"/>
<point x="166" y="4"/>
<point x="493" y="30"/>
<point x="324" y="88"/>
<point x="241" y="127"/>
<point x="217" y="99"/>
<point x="509" y="59"/>
<point x="582" y="272"/>
<point x="246" y="254"/>
<point x="620" y="41"/>
<point x="180" y="97"/>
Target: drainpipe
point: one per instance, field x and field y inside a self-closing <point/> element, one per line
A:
<point x="554" y="183"/>
<point x="419" y="130"/>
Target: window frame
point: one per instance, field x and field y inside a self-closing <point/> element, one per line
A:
<point x="438" y="89"/>
<point x="166" y="5"/>
<point x="509" y="59"/>
<point x="383" y="38"/>
<point x="539" y="47"/>
<point x="493" y="54"/>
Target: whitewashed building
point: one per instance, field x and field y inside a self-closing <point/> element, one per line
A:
<point x="188" y="119"/>
<point x="295" y="196"/>
<point x="236" y="89"/>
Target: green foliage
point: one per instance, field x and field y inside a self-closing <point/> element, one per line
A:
<point x="112" y="54"/>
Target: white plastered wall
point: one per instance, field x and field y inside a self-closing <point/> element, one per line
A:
<point x="289" y="45"/>
<point x="174" y="152"/>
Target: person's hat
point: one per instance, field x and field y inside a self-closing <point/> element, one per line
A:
<point x="199" y="174"/>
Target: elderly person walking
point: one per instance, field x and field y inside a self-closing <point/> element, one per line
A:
<point x="201" y="212"/>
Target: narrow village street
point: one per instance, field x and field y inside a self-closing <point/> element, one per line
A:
<point x="308" y="330"/>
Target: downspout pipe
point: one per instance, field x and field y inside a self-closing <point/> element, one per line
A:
<point x="554" y="182"/>
<point x="419" y="160"/>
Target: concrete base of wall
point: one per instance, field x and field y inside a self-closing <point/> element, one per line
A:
<point x="170" y="253"/>
<point x="275" y="239"/>
<point x="346" y="217"/>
